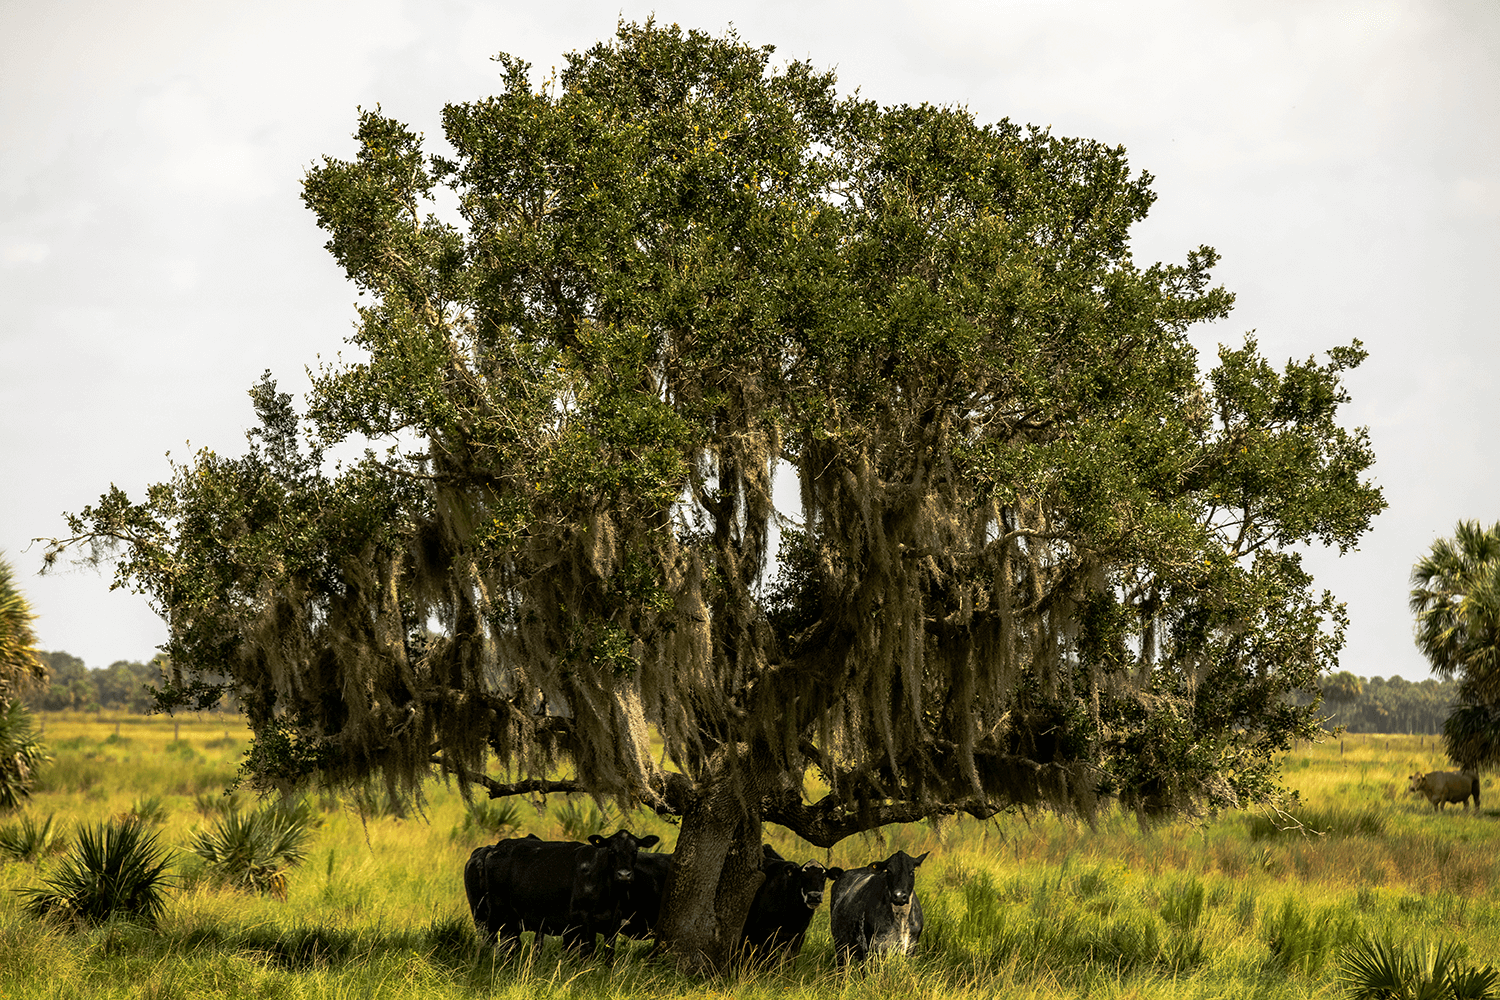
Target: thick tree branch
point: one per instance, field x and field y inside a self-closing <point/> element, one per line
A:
<point x="830" y="819"/>
<point x="500" y="789"/>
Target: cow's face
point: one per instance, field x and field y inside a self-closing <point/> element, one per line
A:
<point x="900" y="870"/>
<point x="809" y="881"/>
<point x="1416" y="782"/>
<point x="620" y="849"/>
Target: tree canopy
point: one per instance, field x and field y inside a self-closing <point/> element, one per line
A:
<point x="1455" y="597"/>
<point x="1037" y="557"/>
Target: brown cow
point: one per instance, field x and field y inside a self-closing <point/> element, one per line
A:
<point x="1442" y="787"/>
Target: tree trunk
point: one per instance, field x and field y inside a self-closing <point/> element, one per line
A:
<point x="713" y="882"/>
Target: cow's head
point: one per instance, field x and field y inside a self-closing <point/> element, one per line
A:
<point x="619" y="851"/>
<point x="1416" y="782"/>
<point x="900" y="871"/>
<point x="809" y="881"/>
<point x="805" y="880"/>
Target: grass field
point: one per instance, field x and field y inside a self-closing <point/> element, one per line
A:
<point x="1244" y="905"/>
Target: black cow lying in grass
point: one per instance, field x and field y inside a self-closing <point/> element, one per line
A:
<point x="783" y="906"/>
<point x="875" y="908"/>
<point x="575" y="891"/>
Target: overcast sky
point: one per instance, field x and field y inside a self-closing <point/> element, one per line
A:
<point x="155" y="256"/>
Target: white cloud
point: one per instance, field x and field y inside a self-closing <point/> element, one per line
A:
<point x="1477" y="194"/>
<point x="24" y="253"/>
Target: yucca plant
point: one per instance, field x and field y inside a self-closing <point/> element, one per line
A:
<point x="28" y="840"/>
<point x="116" y="868"/>
<point x="253" y="851"/>
<point x="1378" y="969"/>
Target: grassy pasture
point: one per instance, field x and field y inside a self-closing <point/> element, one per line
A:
<point x="1244" y="905"/>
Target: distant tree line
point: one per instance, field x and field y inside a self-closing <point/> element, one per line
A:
<point x="1387" y="705"/>
<point x="121" y="686"/>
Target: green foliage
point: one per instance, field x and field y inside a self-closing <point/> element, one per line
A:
<point x="27" y="840"/>
<point x="1300" y="821"/>
<point x="1391" y="704"/>
<point x="1378" y="969"/>
<point x="580" y="820"/>
<point x="1455" y="597"/>
<point x="69" y="685"/>
<point x="1456" y="600"/>
<point x="487" y="819"/>
<point x="253" y="851"/>
<point x="148" y="809"/>
<point x="1302" y="938"/>
<point x="19" y="665"/>
<point x="1182" y="904"/>
<point x="21" y="753"/>
<point x="115" y="869"/>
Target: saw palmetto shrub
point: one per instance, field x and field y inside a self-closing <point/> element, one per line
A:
<point x="253" y="851"/>
<point x="581" y="820"/>
<point x="488" y="819"/>
<point x="1379" y="969"/>
<point x="115" y="869"/>
<point x="27" y="839"/>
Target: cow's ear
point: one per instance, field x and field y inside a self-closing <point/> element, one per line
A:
<point x="876" y="866"/>
<point x="595" y="839"/>
<point x="649" y="840"/>
<point x="917" y="861"/>
<point x="769" y="853"/>
<point x="834" y="874"/>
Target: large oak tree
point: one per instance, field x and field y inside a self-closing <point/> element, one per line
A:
<point x="1038" y="558"/>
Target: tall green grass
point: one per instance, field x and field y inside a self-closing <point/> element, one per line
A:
<point x="1028" y="905"/>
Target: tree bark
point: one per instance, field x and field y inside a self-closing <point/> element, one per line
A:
<point x="714" y="880"/>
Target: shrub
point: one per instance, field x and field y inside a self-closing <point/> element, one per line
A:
<point x="148" y="809"/>
<point x="1182" y="904"/>
<point x="116" y="868"/>
<point x="253" y="851"/>
<point x="1380" y="970"/>
<point x="27" y="840"/>
<point x="217" y="803"/>
<point x="1302" y="941"/>
<point x="486" y="819"/>
<point x="21" y="753"/>
<point x="580" y="820"/>
<point x="1333" y="822"/>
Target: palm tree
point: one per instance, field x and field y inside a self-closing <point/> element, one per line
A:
<point x="19" y="664"/>
<point x="20" y="749"/>
<point x="1456" y="599"/>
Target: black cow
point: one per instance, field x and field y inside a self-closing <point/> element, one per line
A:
<point x="572" y="890"/>
<point x="643" y="900"/>
<point x="875" y="908"/>
<point x="783" y="906"/>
